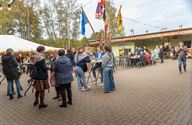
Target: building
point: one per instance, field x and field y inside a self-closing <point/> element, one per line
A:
<point x="151" y="40"/>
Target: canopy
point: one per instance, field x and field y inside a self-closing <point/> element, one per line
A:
<point x="18" y="44"/>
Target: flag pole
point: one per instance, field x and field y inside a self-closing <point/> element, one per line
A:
<point x="88" y="21"/>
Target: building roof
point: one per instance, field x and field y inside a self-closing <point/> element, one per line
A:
<point x="170" y="33"/>
<point x="18" y="44"/>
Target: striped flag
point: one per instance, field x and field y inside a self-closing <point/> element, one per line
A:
<point x="99" y="10"/>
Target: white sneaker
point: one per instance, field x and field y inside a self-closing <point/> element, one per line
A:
<point x="83" y="89"/>
<point x="101" y="84"/>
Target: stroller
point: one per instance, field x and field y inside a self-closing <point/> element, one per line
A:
<point x="2" y="77"/>
<point x="30" y="72"/>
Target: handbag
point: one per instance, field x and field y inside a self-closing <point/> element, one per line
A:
<point x="53" y="80"/>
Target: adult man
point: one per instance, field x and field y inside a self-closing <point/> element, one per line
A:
<point x="182" y="52"/>
<point x="63" y="70"/>
<point x="81" y="60"/>
<point x="98" y="65"/>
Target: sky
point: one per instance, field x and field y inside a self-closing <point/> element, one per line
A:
<point x="157" y="13"/>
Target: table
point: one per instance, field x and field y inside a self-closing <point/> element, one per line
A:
<point x="94" y="83"/>
<point x="134" y="60"/>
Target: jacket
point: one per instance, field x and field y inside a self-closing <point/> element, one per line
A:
<point x="108" y="60"/>
<point x="41" y="67"/>
<point x="71" y="57"/>
<point x="161" y="53"/>
<point x="182" y="53"/>
<point x="10" y="67"/>
<point x="63" y="70"/>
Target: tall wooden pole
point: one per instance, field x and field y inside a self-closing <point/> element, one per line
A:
<point x="88" y="21"/>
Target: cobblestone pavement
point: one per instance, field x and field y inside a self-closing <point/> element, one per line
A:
<point x="154" y="95"/>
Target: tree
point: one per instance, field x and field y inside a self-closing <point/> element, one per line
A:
<point x="84" y="42"/>
<point x="110" y="12"/>
<point x="21" y="20"/>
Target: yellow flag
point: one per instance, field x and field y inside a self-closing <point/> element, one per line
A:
<point x="119" y="20"/>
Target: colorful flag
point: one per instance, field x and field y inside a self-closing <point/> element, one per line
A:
<point x="119" y="20"/>
<point x="84" y="21"/>
<point x="105" y="21"/>
<point x="99" y="10"/>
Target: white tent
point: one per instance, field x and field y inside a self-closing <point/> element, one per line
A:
<point x="18" y="44"/>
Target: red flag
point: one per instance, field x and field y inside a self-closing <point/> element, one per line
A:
<point x="102" y="3"/>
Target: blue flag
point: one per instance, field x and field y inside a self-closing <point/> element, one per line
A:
<point x="84" y="21"/>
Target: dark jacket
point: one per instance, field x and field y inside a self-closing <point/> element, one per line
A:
<point x="83" y="63"/>
<point x="182" y="53"/>
<point x="71" y="57"/>
<point x="42" y="69"/>
<point x="63" y="70"/>
<point x="161" y="53"/>
<point x="10" y="67"/>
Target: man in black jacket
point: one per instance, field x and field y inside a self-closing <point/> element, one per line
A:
<point x="10" y="69"/>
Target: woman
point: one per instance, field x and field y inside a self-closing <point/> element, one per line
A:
<point x="107" y="66"/>
<point x="41" y="78"/>
<point x="10" y="69"/>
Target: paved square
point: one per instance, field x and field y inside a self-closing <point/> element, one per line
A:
<point x="154" y="95"/>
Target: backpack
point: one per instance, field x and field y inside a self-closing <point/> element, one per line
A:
<point x="33" y="72"/>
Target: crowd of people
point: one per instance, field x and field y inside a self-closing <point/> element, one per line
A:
<point x="59" y="73"/>
<point x="143" y="56"/>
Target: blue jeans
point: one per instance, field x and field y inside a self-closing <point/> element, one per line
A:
<point x="81" y="80"/>
<point x="97" y="66"/>
<point x="182" y="61"/>
<point x="108" y="79"/>
<point x="10" y="86"/>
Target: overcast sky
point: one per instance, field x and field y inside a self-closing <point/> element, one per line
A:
<point x="161" y="13"/>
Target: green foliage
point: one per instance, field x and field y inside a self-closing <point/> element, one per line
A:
<point x="21" y="20"/>
<point x="111" y="18"/>
<point x="84" y="42"/>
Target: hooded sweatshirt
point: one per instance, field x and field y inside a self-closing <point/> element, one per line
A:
<point x="63" y="69"/>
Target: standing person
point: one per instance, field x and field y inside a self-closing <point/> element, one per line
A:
<point x="63" y="69"/>
<point x="182" y="53"/>
<point x="81" y="60"/>
<point x="41" y="78"/>
<point x="161" y="54"/>
<point x="71" y="56"/>
<point x="156" y="52"/>
<point x="55" y="56"/>
<point x="10" y="69"/>
<point x="98" y="65"/>
<point x="107" y="66"/>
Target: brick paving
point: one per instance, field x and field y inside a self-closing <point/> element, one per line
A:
<point x="154" y="95"/>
